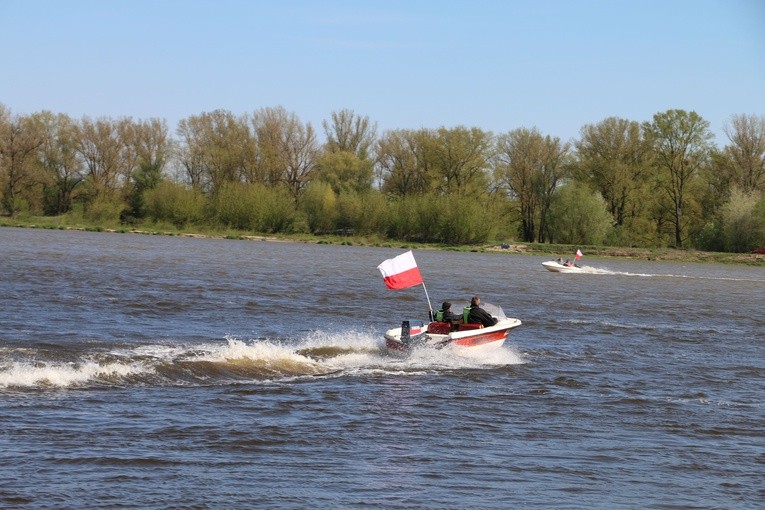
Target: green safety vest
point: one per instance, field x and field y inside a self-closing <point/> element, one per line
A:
<point x="440" y="316"/>
<point x="465" y="314"/>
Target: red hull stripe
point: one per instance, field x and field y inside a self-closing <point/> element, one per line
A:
<point x="482" y="339"/>
<point x="408" y="278"/>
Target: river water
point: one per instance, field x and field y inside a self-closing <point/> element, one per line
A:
<point x="168" y="372"/>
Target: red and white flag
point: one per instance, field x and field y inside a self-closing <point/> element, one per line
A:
<point x="578" y="254"/>
<point x="401" y="272"/>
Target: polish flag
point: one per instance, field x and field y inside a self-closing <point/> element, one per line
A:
<point x="401" y="272"/>
<point x="578" y="254"/>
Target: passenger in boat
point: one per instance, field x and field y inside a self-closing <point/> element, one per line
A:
<point x="568" y="263"/>
<point x="445" y="314"/>
<point x="478" y="315"/>
<point x="559" y="261"/>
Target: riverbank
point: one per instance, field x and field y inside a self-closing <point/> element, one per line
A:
<point x="554" y="250"/>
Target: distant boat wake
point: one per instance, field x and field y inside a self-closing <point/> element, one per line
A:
<point x="233" y="361"/>
<point x="605" y="271"/>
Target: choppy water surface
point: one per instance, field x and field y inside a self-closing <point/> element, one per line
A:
<point x="161" y="372"/>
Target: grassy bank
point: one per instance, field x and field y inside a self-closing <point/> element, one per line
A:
<point x="553" y="250"/>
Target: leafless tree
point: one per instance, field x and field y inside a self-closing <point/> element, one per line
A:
<point x="20" y="138"/>
<point x="401" y="162"/>
<point x="746" y="152"/>
<point x="216" y="147"/>
<point x="59" y="158"/>
<point x="100" y="144"/>
<point x="286" y="149"/>
<point x="349" y="132"/>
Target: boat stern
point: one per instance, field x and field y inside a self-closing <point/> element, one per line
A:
<point x="403" y="338"/>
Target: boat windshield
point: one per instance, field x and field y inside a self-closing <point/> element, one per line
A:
<point x="495" y="310"/>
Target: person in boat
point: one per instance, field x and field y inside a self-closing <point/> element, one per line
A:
<point x="445" y="314"/>
<point x="568" y="263"/>
<point x="559" y="261"/>
<point x="478" y="315"/>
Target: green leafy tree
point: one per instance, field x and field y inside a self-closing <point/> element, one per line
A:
<point x="402" y="163"/>
<point x="428" y="218"/>
<point x="579" y="215"/>
<point x="234" y="206"/>
<point x="681" y="142"/>
<point x="460" y="159"/>
<point x="518" y="156"/>
<point x="348" y="208"/>
<point x="363" y="212"/>
<point x="103" y="209"/>
<point x="744" y="221"/>
<point x="345" y="172"/>
<point x="346" y="162"/>
<point x="554" y="167"/>
<point x="464" y="220"/>
<point x="409" y="220"/>
<point x="530" y="166"/>
<point x="254" y="207"/>
<point x="319" y="205"/>
<point x="277" y="209"/>
<point x="614" y="158"/>
<point x="175" y="203"/>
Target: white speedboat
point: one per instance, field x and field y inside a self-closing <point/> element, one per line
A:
<point x="557" y="267"/>
<point x="436" y="334"/>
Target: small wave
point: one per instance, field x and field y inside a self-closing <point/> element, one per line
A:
<point x="590" y="270"/>
<point x="320" y="354"/>
<point x="62" y="375"/>
<point x="656" y="326"/>
<point x="716" y="278"/>
<point x="606" y="271"/>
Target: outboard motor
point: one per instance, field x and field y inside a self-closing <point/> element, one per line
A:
<point x="405" y="332"/>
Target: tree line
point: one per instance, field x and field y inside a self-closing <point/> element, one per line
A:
<point x="656" y="183"/>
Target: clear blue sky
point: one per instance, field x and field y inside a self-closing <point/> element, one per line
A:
<point x="497" y="65"/>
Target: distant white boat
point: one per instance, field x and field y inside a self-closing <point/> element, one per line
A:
<point x="556" y="267"/>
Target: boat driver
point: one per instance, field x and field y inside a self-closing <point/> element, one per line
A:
<point x="478" y="315"/>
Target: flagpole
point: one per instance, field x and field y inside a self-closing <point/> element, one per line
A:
<point x="430" y="307"/>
